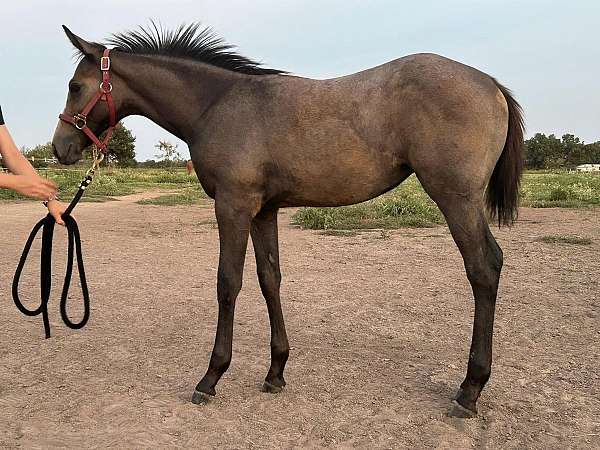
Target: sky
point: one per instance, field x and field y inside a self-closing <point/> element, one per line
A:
<point x="546" y="52"/>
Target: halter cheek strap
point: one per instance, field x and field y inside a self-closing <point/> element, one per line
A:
<point x="104" y="94"/>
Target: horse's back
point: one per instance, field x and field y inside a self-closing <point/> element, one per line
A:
<point x="348" y="139"/>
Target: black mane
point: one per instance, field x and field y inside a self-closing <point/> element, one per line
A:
<point x="189" y="42"/>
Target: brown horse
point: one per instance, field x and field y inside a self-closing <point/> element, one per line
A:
<point x="261" y="140"/>
<point x="190" y="167"/>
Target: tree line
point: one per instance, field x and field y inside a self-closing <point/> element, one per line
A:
<point x="541" y="152"/>
<point x="550" y="152"/>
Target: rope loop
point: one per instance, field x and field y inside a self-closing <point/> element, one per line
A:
<point x="46" y="225"/>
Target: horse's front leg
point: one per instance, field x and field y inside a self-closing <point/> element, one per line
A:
<point x="234" y="215"/>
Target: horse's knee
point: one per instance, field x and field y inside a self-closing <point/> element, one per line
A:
<point x="269" y="277"/>
<point x="228" y="286"/>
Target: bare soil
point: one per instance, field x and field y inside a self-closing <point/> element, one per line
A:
<point x="379" y="324"/>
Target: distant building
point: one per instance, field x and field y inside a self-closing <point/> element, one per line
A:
<point x="588" y="168"/>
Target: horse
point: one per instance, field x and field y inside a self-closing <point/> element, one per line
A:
<point x="262" y="139"/>
<point x="190" y="167"/>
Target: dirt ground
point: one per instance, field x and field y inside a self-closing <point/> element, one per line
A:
<point x="379" y="325"/>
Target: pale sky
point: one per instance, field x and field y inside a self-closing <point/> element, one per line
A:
<point x="547" y="52"/>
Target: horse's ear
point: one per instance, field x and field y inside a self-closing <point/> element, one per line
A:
<point x="85" y="47"/>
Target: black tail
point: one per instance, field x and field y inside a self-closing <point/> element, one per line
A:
<point x="502" y="194"/>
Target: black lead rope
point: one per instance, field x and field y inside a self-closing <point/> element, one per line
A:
<point x="74" y="239"/>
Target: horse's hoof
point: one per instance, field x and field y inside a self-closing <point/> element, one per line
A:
<point x="460" y="412"/>
<point x="200" y="398"/>
<point x="271" y="388"/>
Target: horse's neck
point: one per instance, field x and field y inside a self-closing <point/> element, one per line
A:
<point x="172" y="93"/>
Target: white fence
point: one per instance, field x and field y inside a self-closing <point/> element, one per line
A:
<point x="44" y="160"/>
<point x="32" y="159"/>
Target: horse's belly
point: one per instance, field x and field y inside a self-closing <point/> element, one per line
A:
<point x="353" y="181"/>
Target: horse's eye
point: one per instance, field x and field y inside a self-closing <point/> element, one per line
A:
<point x="74" y="88"/>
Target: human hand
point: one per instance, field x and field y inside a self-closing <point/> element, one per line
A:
<point x="56" y="210"/>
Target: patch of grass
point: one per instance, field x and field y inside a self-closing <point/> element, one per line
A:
<point x="186" y="197"/>
<point x="557" y="239"/>
<point x="560" y="190"/>
<point x="116" y="183"/>
<point x="383" y="235"/>
<point x="406" y="206"/>
<point x="409" y="206"/>
<point x="99" y="199"/>
<point x="143" y="177"/>
<point x="339" y="233"/>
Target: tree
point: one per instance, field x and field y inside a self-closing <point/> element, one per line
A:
<point x="591" y="153"/>
<point x="542" y="150"/>
<point x="38" y="153"/>
<point x="549" y="152"/>
<point x="168" y="153"/>
<point x="573" y="150"/>
<point x="121" y="148"/>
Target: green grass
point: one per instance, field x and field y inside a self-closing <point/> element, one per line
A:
<point x="564" y="190"/>
<point x="106" y="185"/>
<point x="405" y="206"/>
<point x="409" y="206"/>
<point x="573" y="240"/>
<point x="187" y="197"/>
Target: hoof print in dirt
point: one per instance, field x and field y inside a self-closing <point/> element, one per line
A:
<point x="460" y="412"/>
<point x="200" y="398"/>
<point x="271" y="388"/>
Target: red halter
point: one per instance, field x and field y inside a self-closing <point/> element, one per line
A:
<point x="79" y="121"/>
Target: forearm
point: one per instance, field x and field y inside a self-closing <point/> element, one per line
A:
<point x="11" y="156"/>
<point x="7" y="181"/>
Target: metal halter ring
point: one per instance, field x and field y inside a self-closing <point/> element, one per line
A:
<point x="80" y="121"/>
<point x="110" y="87"/>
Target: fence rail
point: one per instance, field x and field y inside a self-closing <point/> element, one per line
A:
<point x="44" y="160"/>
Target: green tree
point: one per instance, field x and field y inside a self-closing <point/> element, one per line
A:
<point x="543" y="151"/>
<point x="38" y="153"/>
<point x="591" y="153"/>
<point x="572" y="150"/>
<point x="168" y="153"/>
<point x="121" y="148"/>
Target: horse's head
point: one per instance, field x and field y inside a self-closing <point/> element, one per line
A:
<point x="69" y="141"/>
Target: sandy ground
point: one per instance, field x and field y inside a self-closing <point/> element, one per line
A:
<point x="379" y="325"/>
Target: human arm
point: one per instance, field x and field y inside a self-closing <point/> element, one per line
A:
<point x="23" y="177"/>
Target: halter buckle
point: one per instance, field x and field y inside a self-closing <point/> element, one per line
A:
<point x="105" y="63"/>
<point x="80" y="121"/>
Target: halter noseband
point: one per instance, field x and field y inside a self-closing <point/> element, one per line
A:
<point x="79" y="121"/>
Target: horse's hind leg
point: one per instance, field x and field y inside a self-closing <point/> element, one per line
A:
<point x="483" y="262"/>
<point x="265" y="239"/>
